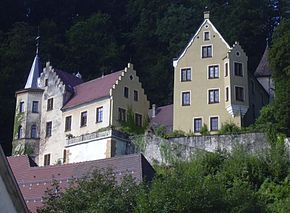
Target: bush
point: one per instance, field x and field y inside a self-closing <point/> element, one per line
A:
<point x="229" y="128"/>
<point x="204" y="130"/>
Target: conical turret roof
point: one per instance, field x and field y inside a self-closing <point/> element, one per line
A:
<point x="34" y="73"/>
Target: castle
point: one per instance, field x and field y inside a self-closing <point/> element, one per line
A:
<point x="61" y="119"/>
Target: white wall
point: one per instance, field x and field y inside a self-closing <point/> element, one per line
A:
<point x="6" y="204"/>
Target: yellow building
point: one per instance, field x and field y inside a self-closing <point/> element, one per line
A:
<point x="211" y="83"/>
<point x="61" y="119"/>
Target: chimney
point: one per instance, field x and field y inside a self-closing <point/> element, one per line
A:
<point x="153" y="110"/>
<point x="206" y="14"/>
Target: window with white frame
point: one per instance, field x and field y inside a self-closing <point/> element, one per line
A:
<point x="122" y="115"/>
<point x="214" y="123"/>
<point x="68" y="123"/>
<point x="239" y="93"/>
<point x="49" y="104"/>
<point x="185" y="98"/>
<point x="213" y="71"/>
<point x="46" y="160"/>
<point x="207" y="51"/>
<point x="99" y="115"/>
<point x="84" y="118"/>
<point x="185" y="74"/>
<point x="48" y="129"/>
<point x="197" y="124"/>
<point x="213" y="96"/>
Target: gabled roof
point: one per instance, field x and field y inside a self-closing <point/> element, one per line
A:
<point x="93" y="90"/>
<point x="68" y="79"/>
<point x="34" y="181"/>
<point x="35" y="70"/>
<point x="263" y="69"/>
<point x="206" y="21"/>
<point x="11" y="187"/>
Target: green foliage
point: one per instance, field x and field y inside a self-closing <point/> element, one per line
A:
<point x="129" y="126"/>
<point x="175" y="134"/>
<point x="204" y="130"/>
<point x="211" y="182"/>
<point x="160" y="131"/>
<point x="229" y="128"/>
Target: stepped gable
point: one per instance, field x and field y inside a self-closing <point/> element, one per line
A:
<point x="92" y="90"/>
<point x="68" y="79"/>
<point x="263" y="69"/>
<point x="33" y="181"/>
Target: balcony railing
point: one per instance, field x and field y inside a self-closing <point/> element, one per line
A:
<point x="95" y="136"/>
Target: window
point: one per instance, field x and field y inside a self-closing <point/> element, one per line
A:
<point x="186" y="74"/>
<point x="185" y="98"/>
<point x="126" y="92"/>
<point x="197" y="124"/>
<point x="48" y="128"/>
<point x="46" y="160"/>
<point x="99" y="114"/>
<point x="239" y="93"/>
<point x="206" y="36"/>
<point x="214" y="123"/>
<point x="67" y="123"/>
<point x="49" y="104"/>
<point x="138" y="120"/>
<point x="20" y="132"/>
<point x="238" y="69"/>
<point x="64" y="156"/>
<point x="83" y="118"/>
<point x="33" y="131"/>
<point x="46" y="82"/>
<point x="122" y="115"/>
<point x="21" y="106"/>
<point x="213" y="96"/>
<point x="207" y="52"/>
<point x="226" y="69"/>
<point x="227" y="94"/>
<point x="136" y="95"/>
<point x="213" y="72"/>
<point x="35" y="106"/>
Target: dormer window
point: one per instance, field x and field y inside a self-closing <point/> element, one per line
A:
<point x="206" y="36"/>
<point x="207" y="51"/>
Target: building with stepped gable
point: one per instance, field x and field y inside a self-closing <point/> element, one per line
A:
<point x="61" y="119"/>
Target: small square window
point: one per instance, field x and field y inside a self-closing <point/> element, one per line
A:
<point x="206" y="51"/>
<point x="68" y="123"/>
<point x="35" y="106"/>
<point x="136" y="95"/>
<point x="185" y="98"/>
<point x="46" y="160"/>
<point x="206" y="36"/>
<point x="83" y="118"/>
<point x="239" y="93"/>
<point x="126" y="92"/>
<point x="48" y="128"/>
<point x="197" y="124"/>
<point x="21" y="106"/>
<point x="99" y="113"/>
<point x="138" y="120"/>
<point x="213" y="72"/>
<point x="186" y="74"/>
<point x="213" y="96"/>
<point x="214" y="123"/>
<point x="238" y="69"/>
<point x="49" y="104"/>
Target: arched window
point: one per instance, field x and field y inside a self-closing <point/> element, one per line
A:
<point x="20" y="132"/>
<point x="33" y="131"/>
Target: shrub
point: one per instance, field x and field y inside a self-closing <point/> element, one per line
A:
<point x="229" y="128"/>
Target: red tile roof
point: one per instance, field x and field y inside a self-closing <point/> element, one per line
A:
<point x="33" y="181"/>
<point x="93" y="90"/>
<point x="163" y="116"/>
